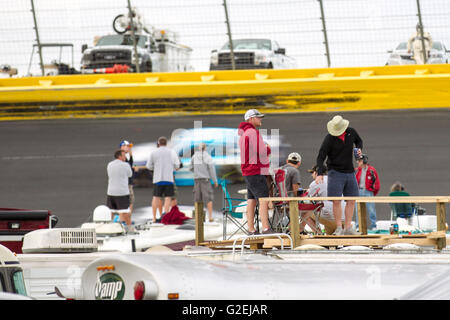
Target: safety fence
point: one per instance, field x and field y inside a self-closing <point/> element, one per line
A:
<point x="316" y="33"/>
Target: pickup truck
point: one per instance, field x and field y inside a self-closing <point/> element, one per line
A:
<point x="252" y="54"/>
<point x="155" y="54"/>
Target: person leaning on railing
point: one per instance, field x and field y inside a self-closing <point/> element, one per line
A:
<point x="337" y="148"/>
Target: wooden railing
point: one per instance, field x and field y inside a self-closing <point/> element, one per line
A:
<point x="440" y="202"/>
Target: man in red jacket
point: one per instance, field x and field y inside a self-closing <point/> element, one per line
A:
<point x="255" y="167"/>
<point x="369" y="185"/>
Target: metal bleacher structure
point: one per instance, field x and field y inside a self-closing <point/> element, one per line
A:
<point x="225" y="92"/>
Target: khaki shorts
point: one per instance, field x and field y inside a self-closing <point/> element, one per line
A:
<point x="130" y="187"/>
<point x="203" y="191"/>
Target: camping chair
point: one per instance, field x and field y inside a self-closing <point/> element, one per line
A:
<point x="403" y="210"/>
<point x="280" y="218"/>
<point x="229" y="212"/>
<point x="311" y="209"/>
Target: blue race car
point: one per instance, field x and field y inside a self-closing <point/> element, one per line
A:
<point x="221" y="143"/>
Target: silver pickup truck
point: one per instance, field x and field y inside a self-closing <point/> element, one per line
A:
<point x="252" y="54"/>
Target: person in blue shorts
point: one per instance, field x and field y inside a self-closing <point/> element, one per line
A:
<point x="338" y="150"/>
<point x="163" y="162"/>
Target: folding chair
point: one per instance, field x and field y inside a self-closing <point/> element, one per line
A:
<point x="404" y="210"/>
<point x="229" y="212"/>
<point x="314" y="208"/>
<point x="280" y="219"/>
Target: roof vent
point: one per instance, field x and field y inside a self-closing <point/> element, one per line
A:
<point x="60" y="240"/>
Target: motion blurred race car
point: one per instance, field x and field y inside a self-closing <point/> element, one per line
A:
<point x="221" y="143"/>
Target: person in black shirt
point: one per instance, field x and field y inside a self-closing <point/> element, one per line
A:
<point x="337" y="148"/>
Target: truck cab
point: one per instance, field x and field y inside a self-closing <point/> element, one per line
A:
<point x="252" y="54"/>
<point x="11" y="273"/>
<point x="118" y="49"/>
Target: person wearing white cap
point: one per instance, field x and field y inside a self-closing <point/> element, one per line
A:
<point x="293" y="162"/>
<point x="338" y="149"/>
<point x="118" y="194"/>
<point x="255" y="165"/>
<point x="126" y="146"/>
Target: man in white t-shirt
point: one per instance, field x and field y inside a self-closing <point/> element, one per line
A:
<point x="320" y="190"/>
<point x="163" y="162"/>
<point x="118" y="193"/>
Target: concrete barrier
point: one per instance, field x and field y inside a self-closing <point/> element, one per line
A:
<point x="225" y="92"/>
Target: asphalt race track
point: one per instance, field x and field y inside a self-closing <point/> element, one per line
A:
<point x="60" y="165"/>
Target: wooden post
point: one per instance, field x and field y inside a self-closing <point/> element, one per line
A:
<point x="441" y="243"/>
<point x="199" y="217"/>
<point x="362" y="217"/>
<point x="293" y="223"/>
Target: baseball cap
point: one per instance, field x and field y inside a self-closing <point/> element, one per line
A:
<point x="294" y="156"/>
<point x="125" y="143"/>
<point x="253" y="113"/>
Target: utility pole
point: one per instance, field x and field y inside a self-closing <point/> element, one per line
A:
<point x="38" y="41"/>
<point x="133" y="36"/>
<point x="325" y="36"/>
<point x="419" y="14"/>
<point x="230" y="40"/>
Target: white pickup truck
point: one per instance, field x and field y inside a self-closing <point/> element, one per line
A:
<point x="157" y="52"/>
<point x="252" y="54"/>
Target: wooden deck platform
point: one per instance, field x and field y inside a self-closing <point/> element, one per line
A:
<point x="437" y="239"/>
<point x="373" y="241"/>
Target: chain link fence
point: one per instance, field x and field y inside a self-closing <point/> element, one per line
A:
<point x="316" y="33"/>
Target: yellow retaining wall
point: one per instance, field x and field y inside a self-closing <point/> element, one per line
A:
<point x="147" y="94"/>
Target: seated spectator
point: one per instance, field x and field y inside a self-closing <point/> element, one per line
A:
<point x="326" y="216"/>
<point x="400" y="210"/>
<point x="293" y="162"/>
<point x="397" y="189"/>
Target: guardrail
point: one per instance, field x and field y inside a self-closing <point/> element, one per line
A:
<point x="222" y="92"/>
<point x="362" y="214"/>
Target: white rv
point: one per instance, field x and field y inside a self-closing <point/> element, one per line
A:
<point x="12" y="285"/>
